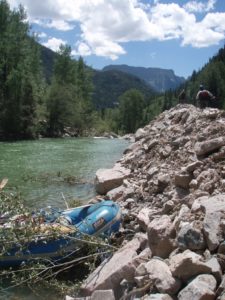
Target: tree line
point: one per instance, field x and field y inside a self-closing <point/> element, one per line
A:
<point x="31" y="105"/>
<point x="28" y="105"/>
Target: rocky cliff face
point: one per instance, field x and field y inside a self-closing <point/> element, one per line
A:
<point x="173" y="200"/>
<point x="159" y="79"/>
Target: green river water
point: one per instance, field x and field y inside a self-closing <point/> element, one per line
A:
<point x="48" y="171"/>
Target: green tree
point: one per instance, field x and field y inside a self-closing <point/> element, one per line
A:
<point x="131" y="105"/>
<point x="84" y="91"/>
<point x="61" y="100"/>
<point x="169" y="99"/>
<point x="69" y="98"/>
<point x="19" y="75"/>
<point x="64" y="67"/>
<point x="61" y="109"/>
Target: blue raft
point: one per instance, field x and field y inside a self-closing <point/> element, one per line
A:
<point x="100" y="219"/>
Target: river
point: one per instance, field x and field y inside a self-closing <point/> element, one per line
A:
<point x="47" y="171"/>
<point x="50" y="171"/>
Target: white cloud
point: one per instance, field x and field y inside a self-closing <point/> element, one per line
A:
<point x="106" y="25"/>
<point x="60" y="25"/>
<point x="215" y="21"/>
<point x="54" y="43"/>
<point x="37" y="21"/>
<point x="210" y="31"/>
<point x="200" y="7"/>
<point x="171" y="20"/>
<point x="82" y="49"/>
<point x="42" y="35"/>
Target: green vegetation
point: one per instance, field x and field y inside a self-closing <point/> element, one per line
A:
<point x="62" y="95"/>
<point x="110" y="85"/>
<point x="68" y="99"/>
<point x="18" y="227"/>
<point x="35" y="100"/>
<point x="28" y="105"/>
<point x="19" y="75"/>
<point x="212" y="77"/>
<point x="131" y="107"/>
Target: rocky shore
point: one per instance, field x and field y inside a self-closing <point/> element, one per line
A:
<point x="170" y="184"/>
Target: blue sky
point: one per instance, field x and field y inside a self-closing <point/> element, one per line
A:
<point x="180" y="35"/>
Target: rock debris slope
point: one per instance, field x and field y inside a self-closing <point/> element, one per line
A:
<point x="173" y="200"/>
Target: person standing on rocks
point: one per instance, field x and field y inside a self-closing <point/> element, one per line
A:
<point x="204" y="97"/>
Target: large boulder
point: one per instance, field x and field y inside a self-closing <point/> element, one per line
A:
<point x="143" y="217"/>
<point x="140" y="134"/>
<point x="208" y="180"/>
<point x="191" y="237"/>
<point x="108" y="179"/>
<point x="202" y="287"/>
<point x="214" y="209"/>
<point x="216" y="270"/>
<point x="221" y="288"/>
<point x="159" y="273"/>
<point x="206" y="147"/>
<point x="111" y="272"/>
<point x="161" y="234"/>
<point x="188" y="264"/>
<point x="116" y="193"/>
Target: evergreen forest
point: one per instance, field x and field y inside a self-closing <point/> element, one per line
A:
<point x="35" y="102"/>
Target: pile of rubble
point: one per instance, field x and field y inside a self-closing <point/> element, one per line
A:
<point x="170" y="184"/>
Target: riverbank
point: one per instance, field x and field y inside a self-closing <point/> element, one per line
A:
<point x="170" y="184"/>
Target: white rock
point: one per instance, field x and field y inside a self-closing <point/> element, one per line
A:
<point x="201" y="288"/>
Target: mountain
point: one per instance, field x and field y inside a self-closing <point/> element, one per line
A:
<point x="109" y="85"/>
<point x="159" y="79"/>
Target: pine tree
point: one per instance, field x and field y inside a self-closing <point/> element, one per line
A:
<point x="69" y="100"/>
<point x="131" y="105"/>
<point x="64" y="105"/>
<point x="18" y="77"/>
<point x="84" y="91"/>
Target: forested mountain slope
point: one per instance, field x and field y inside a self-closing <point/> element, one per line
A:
<point x="212" y="76"/>
<point x="159" y="79"/>
<point x="107" y="85"/>
<point x="110" y="85"/>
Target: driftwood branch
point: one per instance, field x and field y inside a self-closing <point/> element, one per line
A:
<point x="3" y="183"/>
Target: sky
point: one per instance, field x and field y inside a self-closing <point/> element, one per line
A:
<point x="181" y="35"/>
